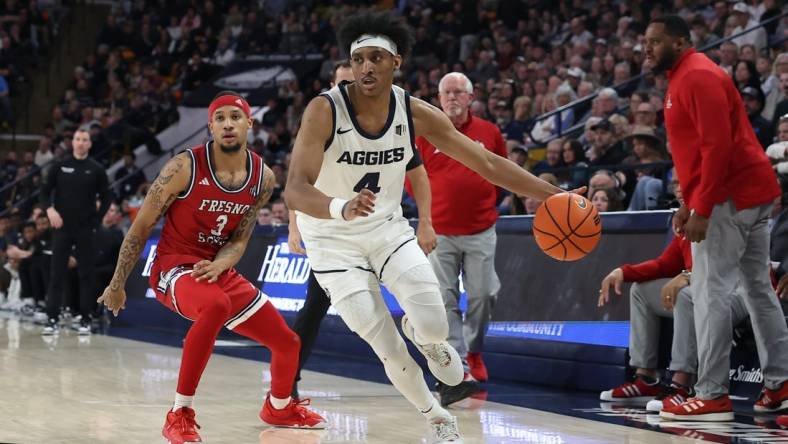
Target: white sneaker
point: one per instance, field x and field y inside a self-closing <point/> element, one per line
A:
<point x="51" y="329"/>
<point x="84" y="330"/>
<point x="443" y="360"/>
<point x="445" y="430"/>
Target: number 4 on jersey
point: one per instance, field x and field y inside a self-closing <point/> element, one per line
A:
<point x="370" y="182"/>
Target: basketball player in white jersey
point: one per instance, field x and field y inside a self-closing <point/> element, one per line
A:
<point x="346" y="178"/>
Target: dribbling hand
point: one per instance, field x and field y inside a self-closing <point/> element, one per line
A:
<point x="115" y="300"/>
<point x="581" y="191"/>
<point x="360" y="206"/>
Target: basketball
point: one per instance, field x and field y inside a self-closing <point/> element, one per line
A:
<point x="567" y="227"/>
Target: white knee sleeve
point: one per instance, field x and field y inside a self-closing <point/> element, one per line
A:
<point x="363" y="314"/>
<point x="418" y="293"/>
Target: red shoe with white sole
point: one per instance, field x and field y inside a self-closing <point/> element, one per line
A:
<point x="772" y="400"/>
<point x="295" y="415"/>
<point x="671" y="395"/>
<point x="638" y="392"/>
<point x="706" y="410"/>
<point x="782" y="421"/>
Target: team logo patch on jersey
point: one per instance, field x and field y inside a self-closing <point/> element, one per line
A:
<point x="204" y="181"/>
<point x="398" y="130"/>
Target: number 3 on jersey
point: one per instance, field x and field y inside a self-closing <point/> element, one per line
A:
<point x="370" y="182"/>
<point x="221" y="221"/>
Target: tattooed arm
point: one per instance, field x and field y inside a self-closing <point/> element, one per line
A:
<point x="231" y="252"/>
<point x="172" y="180"/>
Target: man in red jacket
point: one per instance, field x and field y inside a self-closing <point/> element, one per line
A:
<point x="728" y="187"/>
<point x="661" y="289"/>
<point x="464" y="215"/>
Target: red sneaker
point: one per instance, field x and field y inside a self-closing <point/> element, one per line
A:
<point x="671" y="395"/>
<point x="694" y="409"/>
<point x="180" y="427"/>
<point x="782" y="421"/>
<point x="772" y="400"/>
<point x="637" y="392"/>
<point x="295" y="415"/>
<point x="478" y="369"/>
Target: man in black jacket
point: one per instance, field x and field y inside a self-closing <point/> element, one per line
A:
<point x="69" y="194"/>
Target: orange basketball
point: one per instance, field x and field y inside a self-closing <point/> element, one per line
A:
<point x="567" y="227"/>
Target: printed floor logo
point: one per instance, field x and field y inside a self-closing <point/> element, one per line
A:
<point x="763" y="431"/>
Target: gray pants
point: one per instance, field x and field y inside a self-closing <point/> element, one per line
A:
<point x="736" y="247"/>
<point x="646" y="308"/>
<point x="475" y="256"/>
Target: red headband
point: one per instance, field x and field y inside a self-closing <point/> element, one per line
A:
<point x="228" y="100"/>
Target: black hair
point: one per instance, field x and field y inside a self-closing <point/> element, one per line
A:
<point x="226" y="92"/>
<point x="29" y="224"/>
<point x="376" y="22"/>
<point x="675" y="26"/>
<point x="577" y="148"/>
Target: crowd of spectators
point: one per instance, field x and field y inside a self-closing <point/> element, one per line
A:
<point x="27" y="31"/>
<point x="525" y="58"/>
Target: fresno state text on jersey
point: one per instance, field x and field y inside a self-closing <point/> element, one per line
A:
<point x="202" y="219"/>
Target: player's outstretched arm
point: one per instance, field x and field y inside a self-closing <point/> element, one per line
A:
<point x="172" y="180"/>
<point x="231" y="252"/>
<point x="432" y="123"/>
<point x="300" y="192"/>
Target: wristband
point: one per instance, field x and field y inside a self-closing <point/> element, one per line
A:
<point x="335" y="208"/>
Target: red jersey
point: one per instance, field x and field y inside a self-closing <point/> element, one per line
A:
<point x="202" y="219"/>
<point x="714" y="148"/>
<point x="463" y="202"/>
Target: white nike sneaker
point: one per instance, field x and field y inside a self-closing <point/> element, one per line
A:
<point x="445" y="430"/>
<point x="443" y="360"/>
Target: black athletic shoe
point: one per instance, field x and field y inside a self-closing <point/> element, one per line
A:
<point x="451" y="394"/>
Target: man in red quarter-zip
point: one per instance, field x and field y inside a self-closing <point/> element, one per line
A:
<point x="728" y="186"/>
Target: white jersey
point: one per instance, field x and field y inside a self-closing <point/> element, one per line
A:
<point x="354" y="159"/>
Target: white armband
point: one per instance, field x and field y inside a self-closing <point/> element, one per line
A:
<point x="335" y="208"/>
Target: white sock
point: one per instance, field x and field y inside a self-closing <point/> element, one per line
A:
<point x="182" y="401"/>
<point x="435" y="411"/>
<point x="279" y="404"/>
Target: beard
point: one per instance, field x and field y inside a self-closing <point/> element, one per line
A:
<point x="234" y="148"/>
<point x="665" y="63"/>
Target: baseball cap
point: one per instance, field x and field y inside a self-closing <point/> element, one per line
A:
<point x="604" y="124"/>
<point x="576" y="72"/>
<point x="741" y="7"/>
<point x="750" y="91"/>
<point x="601" y="41"/>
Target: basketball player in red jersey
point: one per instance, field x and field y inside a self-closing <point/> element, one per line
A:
<point x="210" y="195"/>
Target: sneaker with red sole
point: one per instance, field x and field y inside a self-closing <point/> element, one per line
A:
<point x="295" y="415"/>
<point x="638" y="392"/>
<point x="478" y="369"/>
<point x="671" y="395"/>
<point x="772" y="400"/>
<point x="782" y="421"/>
<point x="694" y="409"/>
<point x="180" y="427"/>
